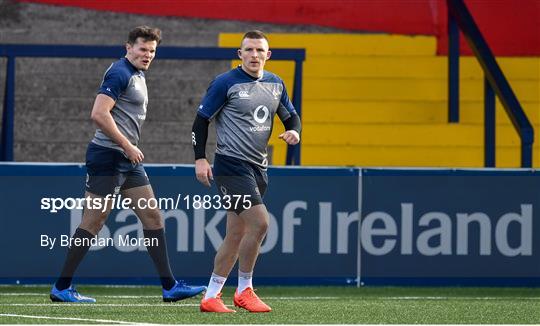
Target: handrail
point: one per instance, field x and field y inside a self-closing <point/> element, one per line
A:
<point x="494" y="81"/>
<point x="11" y="51"/>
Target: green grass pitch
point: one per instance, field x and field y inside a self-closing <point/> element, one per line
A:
<point x="291" y="305"/>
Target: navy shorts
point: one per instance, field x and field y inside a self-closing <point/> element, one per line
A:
<point x="234" y="176"/>
<point x="109" y="171"/>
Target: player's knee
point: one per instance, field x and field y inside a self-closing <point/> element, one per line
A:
<point x="94" y="222"/>
<point x="264" y="227"/>
<point x="235" y="236"/>
<point x="259" y="229"/>
<point x="151" y="219"/>
<point x="154" y="225"/>
<point x="93" y="227"/>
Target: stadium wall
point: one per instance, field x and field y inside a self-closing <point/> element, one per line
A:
<point x="54" y="96"/>
<point x="512" y="28"/>
<point x="341" y="226"/>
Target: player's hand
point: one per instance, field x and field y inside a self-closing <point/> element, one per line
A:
<point x="134" y="154"/>
<point x="203" y="171"/>
<point x="291" y="137"/>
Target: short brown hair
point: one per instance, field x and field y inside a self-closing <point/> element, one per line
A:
<point x="146" y="33"/>
<point x="254" y="34"/>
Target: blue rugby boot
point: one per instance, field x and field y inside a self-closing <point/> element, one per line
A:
<point x="69" y="295"/>
<point x="181" y="291"/>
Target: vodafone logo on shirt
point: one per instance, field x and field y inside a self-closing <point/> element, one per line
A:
<point x="260" y="117"/>
<point x="257" y="114"/>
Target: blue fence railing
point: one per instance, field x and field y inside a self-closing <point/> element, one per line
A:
<point x="12" y="51"/>
<point x="495" y="83"/>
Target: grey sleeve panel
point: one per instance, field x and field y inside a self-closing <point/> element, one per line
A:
<point x="129" y="111"/>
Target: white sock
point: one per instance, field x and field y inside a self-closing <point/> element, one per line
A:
<point x="244" y="281"/>
<point x="214" y="286"/>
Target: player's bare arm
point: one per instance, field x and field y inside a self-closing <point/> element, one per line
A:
<point x="101" y="115"/>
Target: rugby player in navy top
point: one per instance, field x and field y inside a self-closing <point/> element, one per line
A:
<point x="114" y="165"/>
<point x="243" y="103"/>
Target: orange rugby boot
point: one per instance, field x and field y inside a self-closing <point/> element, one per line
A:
<point x="250" y="301"/>
<point x="214" y="305"/>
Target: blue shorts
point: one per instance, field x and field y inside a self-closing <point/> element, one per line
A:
<point x="109" y="171"/>
<point x="234" y="176"/>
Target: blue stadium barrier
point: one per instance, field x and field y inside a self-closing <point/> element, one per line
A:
<point x="294" y="197"/>
<point x="329" y="226"/>
<point x="495" y="83"/>
<point x="450" y="227"/>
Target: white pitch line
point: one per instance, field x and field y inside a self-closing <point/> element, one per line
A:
<point x="93" y="285"/>
<point x="158" y="296"/>
<point x="130" y="296"/>
<point x="60" y="304"/>
<point x="101" y="296"/>
<point x="25" y="285"/>
<point x="458" y="298"/>
<point x="360" y="297"/>
<point x="303" y="298"/>
<point x="308" y="297"/>
<point x="74" y="319"/>
<point x="414" y="298"/>
<point x="21" y="293"/>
